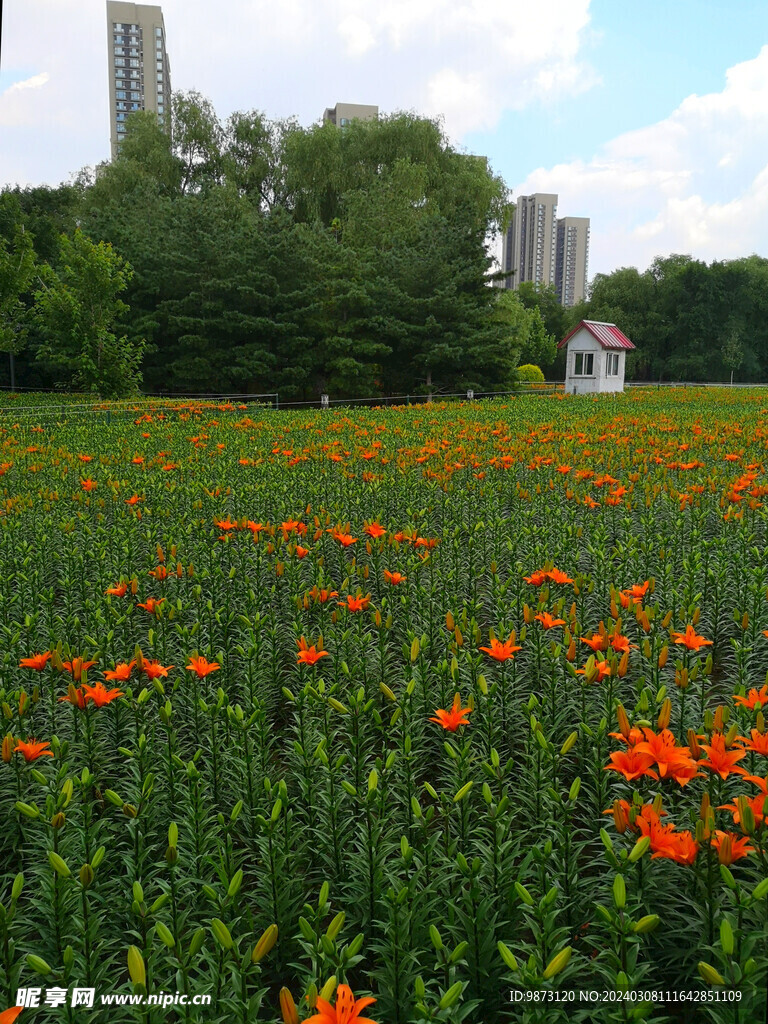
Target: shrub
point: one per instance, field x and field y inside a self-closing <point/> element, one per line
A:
<point x="529" y="374"/>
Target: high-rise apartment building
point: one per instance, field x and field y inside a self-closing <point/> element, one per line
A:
<point x="541" y="248"/>
<point x="529" y="244"/>
<point x="139" y="69"/>
<point x="343" y="113"/>
<point x="571" y="260"/>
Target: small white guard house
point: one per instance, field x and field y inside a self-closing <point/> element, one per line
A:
<point x="595" y="354"/>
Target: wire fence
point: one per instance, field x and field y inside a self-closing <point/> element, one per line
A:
<point x="65" y="406"/>
<point x="181" y="404"/>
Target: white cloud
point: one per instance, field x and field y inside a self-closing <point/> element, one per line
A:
<point x="29" y="83"/>
<point x="467" y="60"/>
<point x="18" y="101"/>
<point x="696" y="182"/>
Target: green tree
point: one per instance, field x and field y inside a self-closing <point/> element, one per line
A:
<point x="544" y="298"/>
<point x="198" y="141"/>
<point x="732" y="350"/>
<point x="17" y="266"/>
<point x="77" y="308"/>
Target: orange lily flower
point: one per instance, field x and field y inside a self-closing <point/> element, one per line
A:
<point x="635" y="735"/>
<point x="722" y="760"/>
<point x="88" y="485"/>
<point x="201" y="666"/>
<point x="346" y="1011"/>
<point x="121" y="672"/>
<point x="689" y="638"/>
<point x="661" y="747"/>
<point x="603" y="670"/>
<point x="345" y="539"/>
<point x="9" y="1016"/>
<point x="153" y="669"/>
<point x="548" y="621"/>
<point x="355" y="604"/>
<point x="374" y="530"/>
<point x="151" y="604"/>
<point x="133" y="500"/>
<point x="451" y="720"/>
<point x="394" y="577"/>
<point x="637" y="591"/>
<point x="225" y="524"/>
<point x="32" y="749"/>
<point x="321" y="595"/>
<point x="309" y="655"/>
<point x="100" y="695"/>
<point x="36" y="661"/>
<point x="537" y="577"/>
<point x="74" y="697"/>
<point x="757" y="804"/>
<point x="621" y="643"/>
<point x="680" y="847"/>
<point x="639" y="818"/>
<point x="598" y="641"/>
<point x="631" y="764"/>
<point x="76" y="667"/>
<point x="755" y="699"/>
<point x="758" y="743"/>
<point x="731" y="847"/>
<point x="119" y="590"/>
<point x="558" y="576"/>
<point x="501" y="651"/>
<point x="160" y="573"/>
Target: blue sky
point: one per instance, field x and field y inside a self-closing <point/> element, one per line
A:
<point x="650" y="119"/>
<point x="649" y="57"/>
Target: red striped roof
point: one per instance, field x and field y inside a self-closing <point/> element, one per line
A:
<point x="608" y="335"/>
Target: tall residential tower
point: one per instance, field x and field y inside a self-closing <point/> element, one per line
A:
<point x="572" y="259"/>
<point x="529" y="244"/>
<point x="545" y="250"/>
<point x="139" y="69"/>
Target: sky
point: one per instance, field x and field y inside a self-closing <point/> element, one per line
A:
<point x="651" y="120"/>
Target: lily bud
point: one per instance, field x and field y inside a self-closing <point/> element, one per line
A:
<point x="695" y="749"/>
<point x="746" y="814"/>
<point x="665" y="714"/>
<point x="710" y="975"/>
<point x="624" y="726"/>
<point x="288" y="1009"/>
<point x="706" y="807"/>
<point x="265" y="944"/>
<point x="7" y="749"/>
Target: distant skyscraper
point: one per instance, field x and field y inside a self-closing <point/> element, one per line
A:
<point x="139" y="69"/>
<point x="529" y="244"/>
<point x="343" y="113"/>
<point x="572" y="256"/>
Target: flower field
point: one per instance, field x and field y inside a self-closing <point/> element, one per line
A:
<point x="438" y="713"/>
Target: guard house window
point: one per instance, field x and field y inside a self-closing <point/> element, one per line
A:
<point x="583" y="364"/>
<point x="613" y="364"/>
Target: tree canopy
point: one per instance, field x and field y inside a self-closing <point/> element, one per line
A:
<point x="260" y="256"/>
